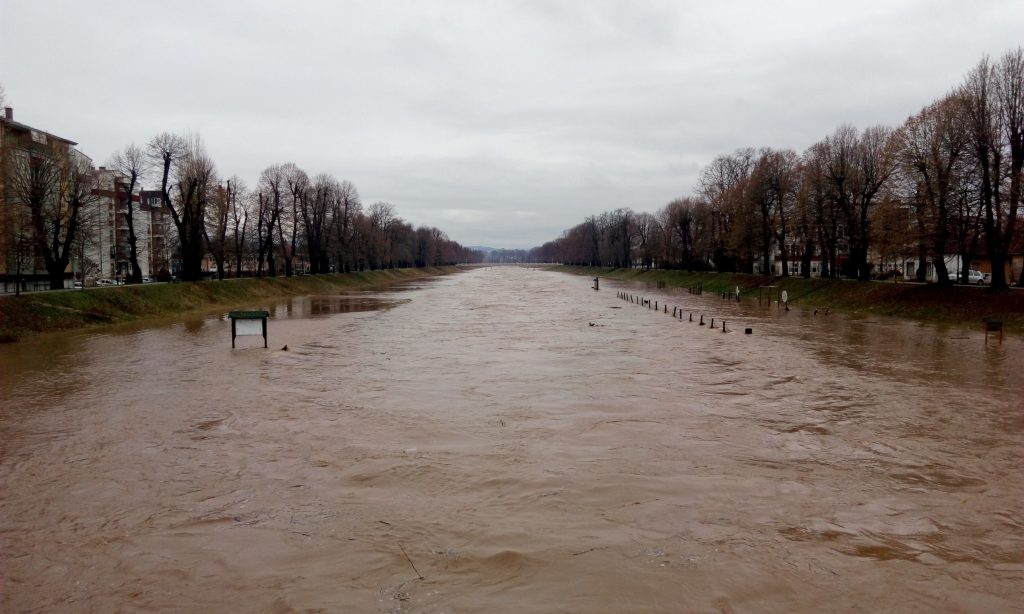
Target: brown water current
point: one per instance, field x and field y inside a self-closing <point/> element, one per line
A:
<point x="510" y="440"/>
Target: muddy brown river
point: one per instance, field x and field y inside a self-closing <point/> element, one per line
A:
<point x="510" y="440"/>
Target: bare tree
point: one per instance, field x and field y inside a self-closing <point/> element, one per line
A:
<point x="819" y="199"/>
<point x="646" y="238"/>
<point x="805" y="216"/>
<point x="240" y="205"/>
<point x="317" y="202"/>
<point x="165" y="151"/>
<point x="270" y="196"/>
<point x="857" y="167"/>
<point x="430" y="246"/>
<point x="289" y="223"/>
<point x="131" y="163"/>
<point x="723" y="184"/>
<point x="21" y="243"/>
<point x="773" y="182"/>
<point x="933" y="148"/>
<point x="686" y="244"/>
<point x="381" y="217"/>
<point x="346" y="208"/>
<point x="215" y="230"/>
<point x="784" y="178"/>
<point x="52" y="187"/>
<point x="184" y="162"/>
<point x="993" y="97"/>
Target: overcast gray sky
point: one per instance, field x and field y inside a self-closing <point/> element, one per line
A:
<point x="502" y="123"/>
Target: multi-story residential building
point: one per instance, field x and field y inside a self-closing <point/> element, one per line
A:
<point x="161" y="232"/>
<point x="20" y="144"/>
<point x="106" y="252"/>
<point x="107" y="249"/>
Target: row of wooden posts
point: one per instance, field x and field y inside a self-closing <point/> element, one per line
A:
<point x="677" y="312"/>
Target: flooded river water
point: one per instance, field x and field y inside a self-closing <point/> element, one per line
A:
<point x="510" y="440"/>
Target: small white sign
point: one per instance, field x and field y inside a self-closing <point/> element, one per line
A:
<point x="248" y="327"/>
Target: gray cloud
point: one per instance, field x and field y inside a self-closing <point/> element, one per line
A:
<point x="502" y="123"/>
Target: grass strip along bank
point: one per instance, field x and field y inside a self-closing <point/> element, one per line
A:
<point x="961" y="306"/>
<point x="62" y="310"/>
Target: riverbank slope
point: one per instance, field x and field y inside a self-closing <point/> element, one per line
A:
<point x="963" y="306"/>
<point x="41" y="312"/>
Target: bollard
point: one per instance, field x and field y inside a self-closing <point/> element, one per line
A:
<point x="702" y="319"/>
<point x="691" y="316"/>
<point x="712" y="322"/>
<point x="666" y="308"/>
<point x="673" y="312"/>
<point x="723" y="326"/>
<point x="655" y="305"/>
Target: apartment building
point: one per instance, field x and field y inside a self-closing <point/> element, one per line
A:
<point x="21" y="148"/>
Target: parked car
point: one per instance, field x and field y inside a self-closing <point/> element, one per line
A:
<point x="105" y="282"/>
<point x="147" y="280"/>
<point x="975" y="277"/>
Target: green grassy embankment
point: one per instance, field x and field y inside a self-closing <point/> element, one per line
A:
<point x="41" y="312"/>
<point x="954" y="305"/>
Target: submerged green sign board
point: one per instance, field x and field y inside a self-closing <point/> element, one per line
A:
<point x="248" y="323"/>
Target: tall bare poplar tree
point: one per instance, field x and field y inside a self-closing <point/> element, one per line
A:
<point x="993" y="95"/>
<point x="290" y="223"/>
<point x="188" y="178"/>
<point x="270" y="196"/>
<point x="131" y="163"/>
<point x="239" y="220"/>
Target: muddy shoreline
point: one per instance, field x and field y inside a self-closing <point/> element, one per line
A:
<point x="960" y="306"/>
<point x="45" y="312"/>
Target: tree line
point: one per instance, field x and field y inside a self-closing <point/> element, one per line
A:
<point x="289" y="222"/>
<point x="947" y="182"/>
